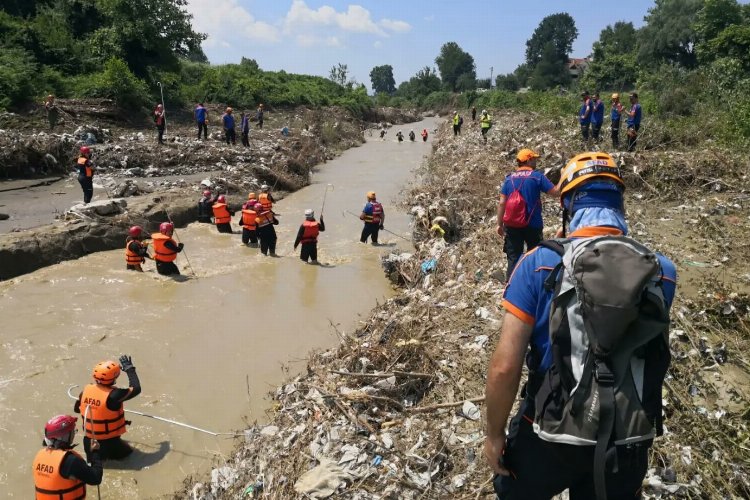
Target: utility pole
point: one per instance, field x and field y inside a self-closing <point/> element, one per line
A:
<point x="492" y="69"/>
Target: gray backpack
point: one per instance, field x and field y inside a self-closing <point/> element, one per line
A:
<point x="609" y="338"/>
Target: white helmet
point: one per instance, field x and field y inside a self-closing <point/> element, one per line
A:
<point x="309" y="213"/>
<point x="484" y="111"/>
<point x="264" y="187"/>
<point x="206" y="183"/>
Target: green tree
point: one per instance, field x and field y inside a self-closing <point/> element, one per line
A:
<point x="615" y="40"/>
<point x="733" y="42"/>
<point x="382" y="79"/>
<point x="614" y="65"/>
<point x="117" y="82"/>
<point x="549" y="71"/>
<point x="560" y="31"/>
<point x="669" y="35"/>
<point x="507" y="82"/>
<point x="339" y="74"/>
<point x="453" y="62"/>
<point x="716" y="16"/>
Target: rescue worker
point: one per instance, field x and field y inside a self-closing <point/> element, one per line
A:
<point x="201" y="118"/>
<point x="412" y="135"/>
<point x="227" y="121"/>
<point x="59" y="472"/>
<point x="252" y="199"/>
<point x="222" y="215"/>
<point x="615" y="115"/>
<point x="245" y="129"/>
<point x="86" y="174"/>
<point x="584" y="117"/>
<point x="473" y="113"/>
<point x="266" y="232"/>
<point x="259" y="116"/>
<point x="205" y="204"/>
<point x="633" y="121"/>
<point x="166" y="249"/>
<point x="373" y="216"/>
<point x="160" y="122"/>
<point x="101" y="405"/>
<point x="136" y="252"/>
<point x="456" y="123"/>
<point x="486" y="122"/>
<point x="597" y="117"/>
<point x="266" y="198"/>
<point x="308" y="237"/>
<point x="424" y="135"/>
<point x="248" y="222"/>
<point x="53" y="114"/>
<point x="400" y="136"/>
<point x="382" y="134"/>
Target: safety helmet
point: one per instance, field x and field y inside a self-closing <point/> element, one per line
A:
<point x="264" y="187"/>
<point x="371" y="195"/>
<point x="251" y="196"/>
<point x="221" y="199"/>
<point x="615" y="96"/>
<point x="585" y="167"/>
<point x="309" y="213"/>
<point x="526" y="155"/>
<point x="484" y="111"/>
<point x="106" y="372"/>
<point x="260" y="105"/>
<point x="166" y="228"/>
<point x="229" y="110"/>
<point x="206" y="193"/>
<point x="135" y="231"/>
<point x="206" y="183"/>
<point x="85" y="150"/>
<point x="60" y="427"/>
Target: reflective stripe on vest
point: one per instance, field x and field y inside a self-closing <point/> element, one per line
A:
<point x="265" y="202"/>
<point x="84" y="162"/>
<point x="133" y="258"/>
<point x="248" y="219"/>
<point x="311" y="232"/>
<point x="264" y="219"/>
<point x="161" y="252"/>
<point x="377" y="213"/>
<point x="102" y="423"/>
<point x="48" y="482"/>
<point x="221" y="214"/>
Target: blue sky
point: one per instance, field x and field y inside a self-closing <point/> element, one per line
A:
<point x="310" y="36"/>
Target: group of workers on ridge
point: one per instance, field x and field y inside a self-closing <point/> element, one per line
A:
<point x="591" y="118"/>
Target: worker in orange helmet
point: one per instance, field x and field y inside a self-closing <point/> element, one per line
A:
<point x="222" y="215"/>
<point x="136" y="251"/>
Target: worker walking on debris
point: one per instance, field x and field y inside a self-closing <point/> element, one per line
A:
<point x="59" y="472"/>
<point x="266" y="198"/>
<point x="101" y="404"/>
<point x="222" y="215"/>
<point x="308" y="236"/>
<point x="485" y="121"/>
<point x="245" y="129"/>
<point x="519" y="209"/>
<point x="205" y="207"/>
<point x="166" y="250"/>
<point x="227" y="121"/>
<point x="457" y="122"/>
<point x="584" y="117"/>
<point x="373" y="216"/>
<point x="160" y="123"/>
<point x="473" y="113"/>
<point x="201" y="118"/>
<point x="136" y="251"/>
<point x="86" y="174"/>
<point x="592" y="404"/>
<point x="633" y="121"/>
<point x="615" y="115"/>
<point x="266" y="232"/>
<point x="259" y="116"/>
<point x="248" y="221"/>
<point x="597" y="117"/>
<point x="53" y="114"/>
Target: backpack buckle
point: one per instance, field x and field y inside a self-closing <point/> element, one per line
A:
<point x="603" y="374"/>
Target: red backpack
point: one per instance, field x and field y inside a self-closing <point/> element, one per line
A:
<point x="515" y="208"/>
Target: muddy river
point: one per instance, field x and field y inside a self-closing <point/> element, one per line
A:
<point x="208" y="349"/>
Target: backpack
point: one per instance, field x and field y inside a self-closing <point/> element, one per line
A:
<point x="608" y="329"/>
<point x="515" y="208"/>
<point x="460" y="120"/>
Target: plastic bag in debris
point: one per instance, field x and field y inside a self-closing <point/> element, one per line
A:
<point x="429" y="265"/>
<point x="323" y="480"/>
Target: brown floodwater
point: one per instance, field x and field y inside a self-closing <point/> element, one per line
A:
<point x="207" y="349"/>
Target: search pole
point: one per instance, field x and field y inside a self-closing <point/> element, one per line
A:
<point x="163" y="107"/>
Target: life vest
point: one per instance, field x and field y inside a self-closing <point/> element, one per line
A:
<point x="84" y="166"/>
<point x="161" y="252"/>
<point x="132" y="258"/>
<point x="264" y="218"/>
<point x="377" y="213"/>
<point x="248" y="219"/>
<point x="265" y="202"/>
<point x="311" y="232"/>
<point x="48" y="482"/>
<point x="102" y="423"/>
<point x="221" y="214"/>
<point x="424" y="133"/>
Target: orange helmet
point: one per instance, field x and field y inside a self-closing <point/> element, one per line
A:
<point x="371" y="195"/>
<point x="106" y="372"/>
<point x="584" y="167"/>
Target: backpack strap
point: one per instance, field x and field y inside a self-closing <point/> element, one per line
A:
<point x="606" y="382"/>
<point x="557" y="246"/>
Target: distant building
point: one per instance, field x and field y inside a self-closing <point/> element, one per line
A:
<point x="577" y="67"/>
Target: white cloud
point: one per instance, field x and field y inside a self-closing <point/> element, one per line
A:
<point x="395" y="25"/>
<point x="226" y="20"/>
<point x="313" y="40"/>
<point x="377" y="44"/>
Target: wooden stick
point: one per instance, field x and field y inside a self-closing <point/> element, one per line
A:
<point x="425" y="409"/>
<point x="394" y="373"/>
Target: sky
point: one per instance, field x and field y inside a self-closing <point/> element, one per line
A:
<point x="311" y="36"/>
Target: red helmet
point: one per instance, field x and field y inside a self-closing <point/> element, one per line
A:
<point x="135" y="231"/>
<point x="60" y="427"/>
<point x="221" y="199"/>
<point x="166" y="228"/>
<point x="85" y="150"/>
<point x="106" y="372"/>
<point x="206" y="193"/>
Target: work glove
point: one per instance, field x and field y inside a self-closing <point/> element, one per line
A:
<point x="126" y="363"/>
<point x="180" y="246"/>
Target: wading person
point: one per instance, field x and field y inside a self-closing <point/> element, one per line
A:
<point x="101" y="405"/>
<point x="615" y="116"/>
<point x="205" y="207"/>
<point x="547" y="448"/>
<point x="633" y="121"/>
<point x="266" y="232"/>
<point x="201" y="118"/>
<point x="53" y="114"/>
<point x="227" y="121"/>
<point x="86" y="174"/>
<point x="373" y="216"/>
<point x="166" y="250"/>
<point x="266" y="198"/>
<point x="160" y="123"/>
<point x="136" y="252"/>
<point x="307" y="236"/>
<point x="425" y="134"/>
<point x="222" y="215"/>
<point x="59" y="472"/>
<point x="519" y="209"/>
<point x="248" y="221"/>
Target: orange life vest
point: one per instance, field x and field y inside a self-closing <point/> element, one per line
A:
<point x="132" y="258"/>
<point x="264" y="218"/>
<point x="48" y="482"/>
<point x="101" y="423"/>
<point x="221" y="214"/>
<point x="311" y="232"/>
<point x="265" y="202"/>
<point x="161" y="252"/>
<point x="84" y="162"/>
<point x="248" y="219"/>
<point x="377" y="213"/>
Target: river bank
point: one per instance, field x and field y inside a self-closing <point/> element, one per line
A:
<point x="395" y="410"/>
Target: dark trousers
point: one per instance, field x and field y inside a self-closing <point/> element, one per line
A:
<point x="515" y="238"/>
<point x="585" y="131"/>
<point x="110" y="449"/>
<point x="230" y="136"/>
<point x="205" y="218"/>
<point x="160" y="133"/>
<point x="267" y="237"/>
<point x="224" y="228"/>
<point x="260" y="122"/>
<point x="309" y="251"/>
<point x="166" y="268"/>
<point x="370" y="229"/>
<point x="632" y="137"/>
<point x="541" y="470"/>
<point x="246" y="139"/>
<point x="596" y="129"/>
<point x="615" y="133"/>
<point x="202" y="127"/>
<point x="134" y="267"/>
<point x="87" y="184"/>
<point x="249" y="236"/>
<point x="456" y="130"/>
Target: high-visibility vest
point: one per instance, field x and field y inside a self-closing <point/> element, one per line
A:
<point x="132" y="258"/>
<point x="86" y="164"/>
<point x="265" y="202"/>
<point x="221" y="214"/>
<point x="161" y="252"/>
<point x="455" y="120"/>
<point x="101" y="422"/>
<point x="311" y="231"/>
<point x="377" y="213"/>
<point x="248" y="219"/>
<point x="48" y="482"/>
<point x="486" y="121"/>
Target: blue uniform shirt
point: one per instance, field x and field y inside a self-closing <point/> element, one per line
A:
<point x="584" y="107"/>
<point x="531" y="183"/>
<point x="526" y="298"/>
<point x="228" y="121"/>
<point x="200" y="114"/>
<point x="597" y="115"/>
<point x="615" y="114"/>
<point x="635" y="121"/>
